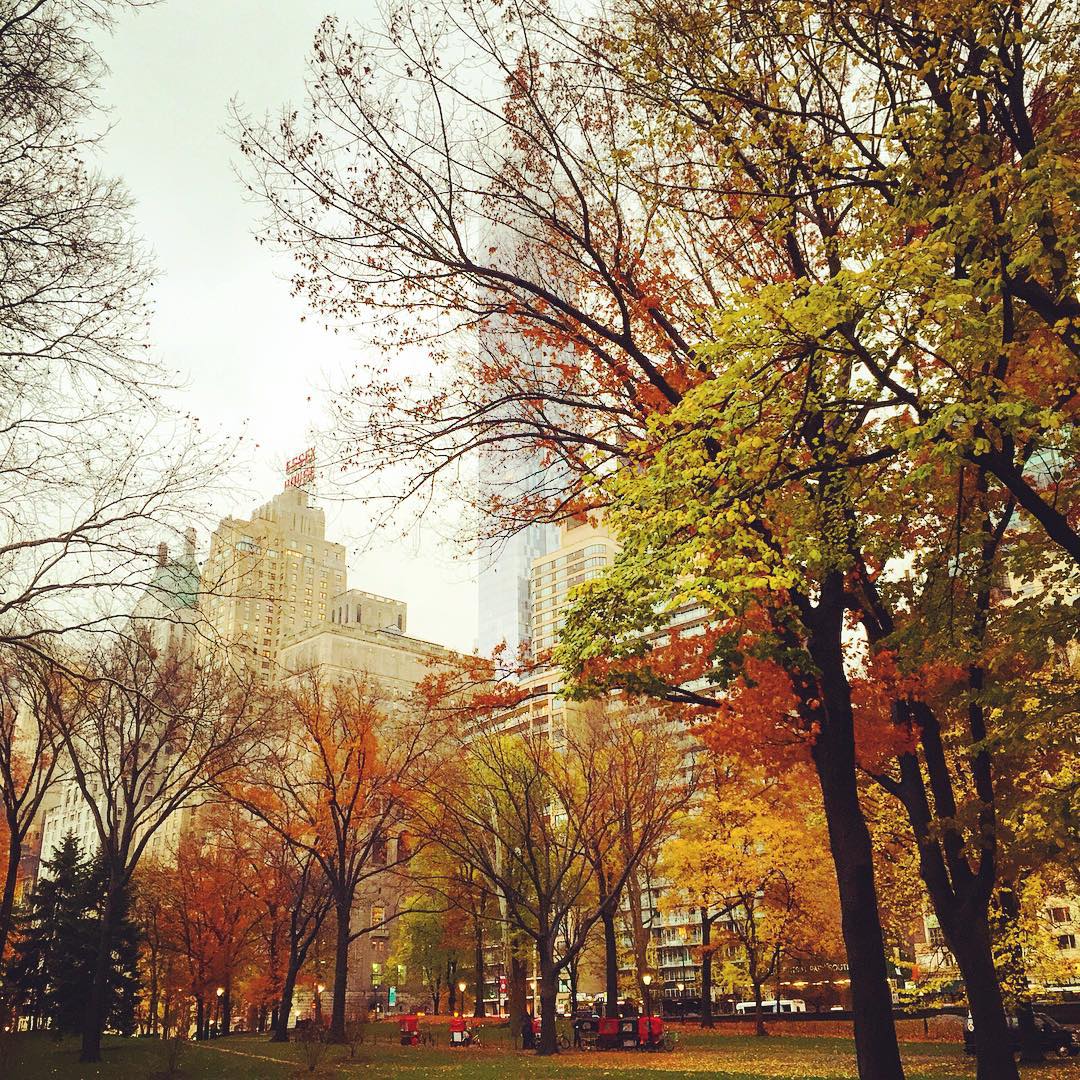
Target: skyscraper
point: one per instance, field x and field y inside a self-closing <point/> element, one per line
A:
<point x="271" y="577"/>
<point x="504" y="597"/>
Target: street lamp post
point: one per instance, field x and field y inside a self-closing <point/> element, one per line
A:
<point x="461" y="995"/>
<point x="646" y="981"/>
<point x="319" y="988"/>
<point x="217" y="1019"/>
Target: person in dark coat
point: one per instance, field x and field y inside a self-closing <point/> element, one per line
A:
<point x="527" y="1040"/>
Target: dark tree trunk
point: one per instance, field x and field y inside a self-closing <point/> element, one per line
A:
<point x="94" y="1016"/>
<point x="516" y="1004"/>
<point x="876" y="1048"/>
<point x="7" y="900"/>
<point x="960" y="897"/>
<point x="200" y="1017"/>
<point x="759" y="1019"/>
<point x="706" y="969"/>
<point x="549" y="992"/>
<point x="343" y="909"/>
<point x="284" y="1008"/>
<point x="152" y="1002"/>
<point x="226" y="1008"/>
<point x="969" y="940"/>
<point x="478" y="932"/>
<point x="611" y="963"/>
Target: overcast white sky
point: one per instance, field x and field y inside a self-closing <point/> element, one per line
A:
<point x="224" y="315"/>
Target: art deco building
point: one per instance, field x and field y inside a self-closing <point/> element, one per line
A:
<point x="271" y="577"/>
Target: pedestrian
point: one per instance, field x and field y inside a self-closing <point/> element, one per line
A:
<point x="527" y="1040"/>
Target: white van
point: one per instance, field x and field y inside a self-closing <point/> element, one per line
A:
<point x="784" y="1005"/>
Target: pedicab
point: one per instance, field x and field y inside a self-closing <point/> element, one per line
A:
<point x="460" y="1035"/>
<point x="633" y="1033"/>
<point x="409" y="1027"/>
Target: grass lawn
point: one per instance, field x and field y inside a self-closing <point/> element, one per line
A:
<point x="718" y="1056"/>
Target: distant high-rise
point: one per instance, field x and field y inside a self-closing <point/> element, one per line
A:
<point x="584" y="549"/>
<point x="271" y="577"/>
<point x="504" y="598"/>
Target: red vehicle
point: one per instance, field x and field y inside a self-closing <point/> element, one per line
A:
<point x="460" y="1035"/>
<point x="410" y="1030"/>
<point x="633" y="1033"/>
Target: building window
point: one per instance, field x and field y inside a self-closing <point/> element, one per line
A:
<point x="378" y="914"/>
<point x="937" y="937"/>
<point x="1060" y="914"/>
<point x="357" y="612"/>
<point x="1066" y="941"/>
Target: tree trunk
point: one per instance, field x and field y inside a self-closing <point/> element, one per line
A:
<point x="478" y="931"/>
<point x="152" y="1002"/>
<point x="876" y="1048"/>
<point x="284" y="1008"/>
<point x="7" y="901"/>
<point x="759" y="1020"/>
<point x="336" y="1033"/>
<point x="200" y="1016"/>
<point x="969" y="939"/>
<point x="451" y="987"/>
<point x="611" y="963"/>
<point x="960" y="897"/>
<point x="226" y="1007"/>
<point x="94" y="1017"/>
<point x="639" y="935"/>
<point x="549" y="992"/>
<point x="516" y="1002"/>
<point x="706" y="969"/>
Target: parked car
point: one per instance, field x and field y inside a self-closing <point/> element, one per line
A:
<point x="1054" y="1038"/>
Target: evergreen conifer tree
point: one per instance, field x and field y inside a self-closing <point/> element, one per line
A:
<point x="38" y="968"/>
<point x="57" y="942"/>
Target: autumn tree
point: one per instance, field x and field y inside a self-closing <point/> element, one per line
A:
<point x="535" y="228"/>
<point x="651" y="774"/>
<point x="534" y="820"/>
<point x="293" y="896"/>
<point x="147" y="735"/>
<point x="763" y="227"/>
<point x="337" y="783"/>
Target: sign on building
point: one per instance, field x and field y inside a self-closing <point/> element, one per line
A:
<point x="300" y="470"/>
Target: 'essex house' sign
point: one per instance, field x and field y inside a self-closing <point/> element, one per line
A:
<point x="300" y="470"/>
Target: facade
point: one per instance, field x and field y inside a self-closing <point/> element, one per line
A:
<point x="585" y="548"/>
<point x="271" y="577"/>
<point x="365" y="637"/>
<point x="168" y="609"/>
<point x="1051" y="955"/>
